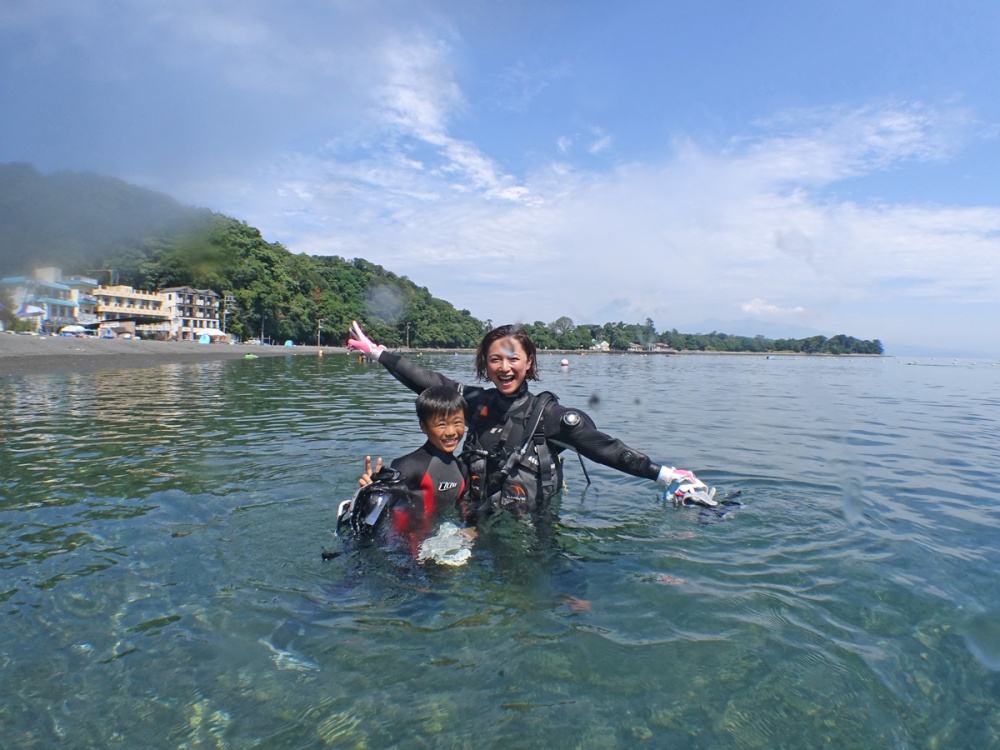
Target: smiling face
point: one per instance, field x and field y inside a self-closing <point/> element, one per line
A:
<point x="507" y="365"/>
<point x="445" y="431"/>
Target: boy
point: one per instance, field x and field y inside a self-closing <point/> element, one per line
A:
<point x="434" y="478"/>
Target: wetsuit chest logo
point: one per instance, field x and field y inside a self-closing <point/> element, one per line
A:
<point x="445" y="486"/>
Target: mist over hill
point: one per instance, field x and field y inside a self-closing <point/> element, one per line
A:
<point x="75" y="219"/>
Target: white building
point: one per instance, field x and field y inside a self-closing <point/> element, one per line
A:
<point x="49" y="301"/>
<point x="193" y="312"/>
<point x="121" y="308"/>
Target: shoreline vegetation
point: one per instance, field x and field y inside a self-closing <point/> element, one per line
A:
<point x="32" y="355"/>
<point x="147" y="241"/>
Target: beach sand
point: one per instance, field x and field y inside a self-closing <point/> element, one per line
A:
<point x="29" y="355"/>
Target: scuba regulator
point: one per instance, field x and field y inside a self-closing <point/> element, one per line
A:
<point x="363" y="511"/>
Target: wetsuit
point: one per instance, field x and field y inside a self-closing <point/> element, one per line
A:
<point x="436" y="482"/>
<point x="538" y="475"/>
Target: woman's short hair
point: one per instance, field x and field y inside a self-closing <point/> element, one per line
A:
<point x="505" y="332"/>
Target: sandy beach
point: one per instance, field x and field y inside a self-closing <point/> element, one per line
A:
<point x="28" y="355"/>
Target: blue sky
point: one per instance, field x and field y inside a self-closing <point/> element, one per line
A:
<point x="827" y="167"/>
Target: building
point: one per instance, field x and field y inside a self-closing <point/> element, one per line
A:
<point x="194" y="312"/>
<point x="48" y="301"/>
<point x="122" y="308"/>
<point x="83" y="292"/>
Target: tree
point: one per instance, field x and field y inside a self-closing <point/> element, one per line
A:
<point x="541" y="335"/>
<point x="285" y="294"/>
<point x="561" y="326"/>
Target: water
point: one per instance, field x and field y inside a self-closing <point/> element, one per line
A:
<point x="162" y="584"/>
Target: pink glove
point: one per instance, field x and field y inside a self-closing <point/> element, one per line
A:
<point x="364" y="344"/>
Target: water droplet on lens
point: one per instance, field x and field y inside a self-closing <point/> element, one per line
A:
<point x="852" y="501"/>
<point x="982" y="638"/>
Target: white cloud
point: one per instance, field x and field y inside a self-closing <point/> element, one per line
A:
<point x="760" y="308"/>
<point x="832" y="143"/>
<point x="694" y="236"/>
<point x="602" y="141"/>
<point x="419" y="94"/>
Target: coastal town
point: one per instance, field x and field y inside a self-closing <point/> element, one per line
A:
<point x="49" y="303"/>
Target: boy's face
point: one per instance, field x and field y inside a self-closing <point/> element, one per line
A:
<point x="445" y="431"/>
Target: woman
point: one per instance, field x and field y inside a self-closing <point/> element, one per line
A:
<point x="514" y="436"/>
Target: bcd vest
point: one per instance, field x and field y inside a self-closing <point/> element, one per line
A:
<point x="510" y="464"/>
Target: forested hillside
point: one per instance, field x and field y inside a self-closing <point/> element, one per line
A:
<point x="287" y="295"/>
<point x="72" y="219"/>
<point x="103" y="227"/>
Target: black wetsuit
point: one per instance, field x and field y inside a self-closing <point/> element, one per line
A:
<point x="488" y="413"/>
<point x="436" y="482"/>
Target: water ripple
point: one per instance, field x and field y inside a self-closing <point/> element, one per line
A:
<point x="161" y="564"/>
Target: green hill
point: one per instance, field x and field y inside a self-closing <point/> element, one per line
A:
<point x="81" y="222"/>
<point x="73" y="219"/>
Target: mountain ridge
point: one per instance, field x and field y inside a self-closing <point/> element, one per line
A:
<point x="75" y="219"/>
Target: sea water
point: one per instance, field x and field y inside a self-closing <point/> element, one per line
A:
<point x="163" y="581"/>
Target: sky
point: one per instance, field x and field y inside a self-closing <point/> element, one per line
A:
<point x="774" y="167"/>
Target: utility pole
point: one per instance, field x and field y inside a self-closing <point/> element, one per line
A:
<point x="407" y="335"/>
<point x="229" y="300"/>
<point x="111" y="272"/>
<point x="319" y="331"/>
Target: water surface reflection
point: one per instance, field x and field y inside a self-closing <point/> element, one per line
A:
<point x="162" y="584"/>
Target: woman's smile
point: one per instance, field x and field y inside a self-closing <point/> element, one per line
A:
<point x="507" y="365"/>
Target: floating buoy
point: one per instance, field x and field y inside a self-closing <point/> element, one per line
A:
<point x="320" y="353"/>
<point x="565" y="363"/>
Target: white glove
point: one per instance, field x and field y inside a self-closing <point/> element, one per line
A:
<point x="364" y="344"/>
<point x="668" y="475"/>
<point x="685" y="488"/>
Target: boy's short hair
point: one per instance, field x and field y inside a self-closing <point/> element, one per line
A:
<point x="439" y="401"/>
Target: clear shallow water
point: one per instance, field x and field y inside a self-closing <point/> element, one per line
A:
<point x="161" y="579"/>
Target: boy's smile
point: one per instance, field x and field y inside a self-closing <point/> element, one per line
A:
<point x="445" y="432"/>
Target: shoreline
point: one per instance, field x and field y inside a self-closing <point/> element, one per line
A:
<point x="30" y="355"/>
